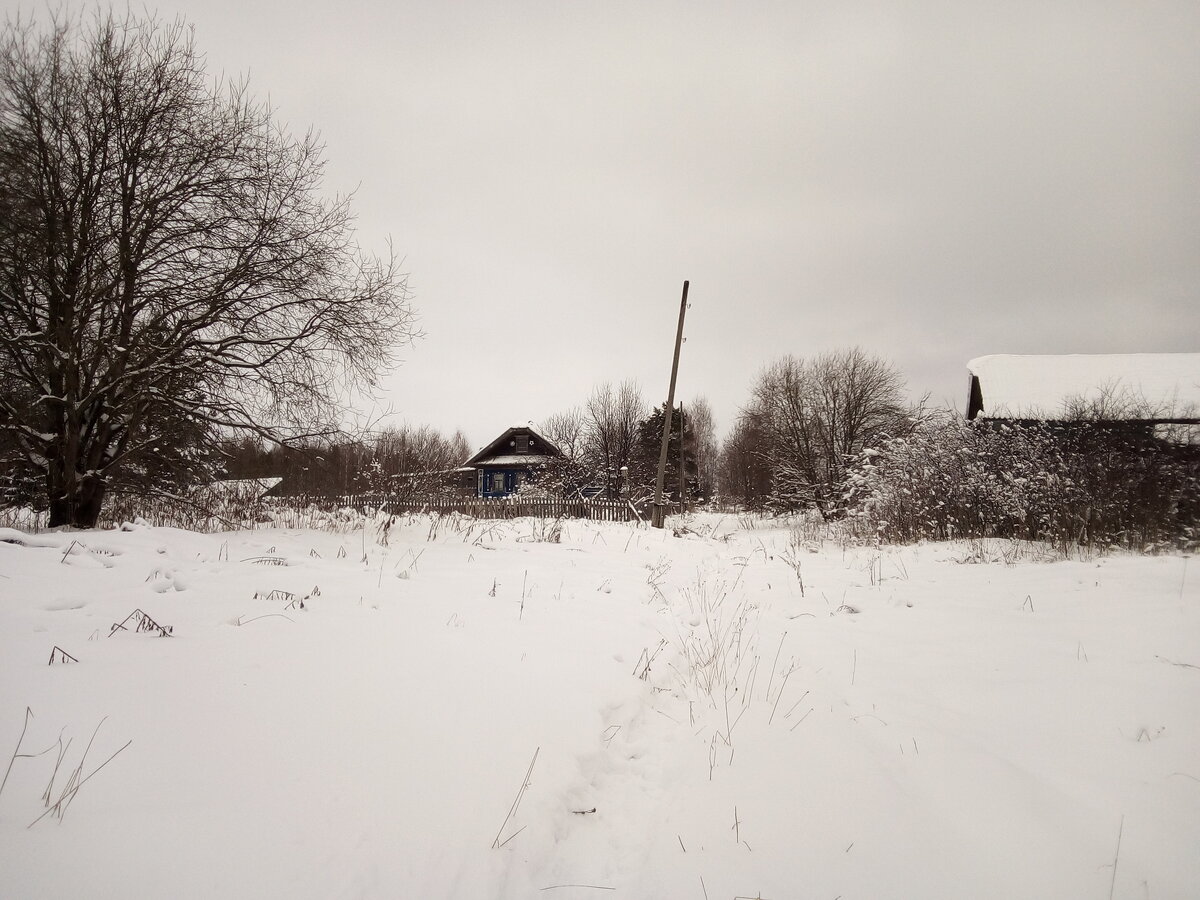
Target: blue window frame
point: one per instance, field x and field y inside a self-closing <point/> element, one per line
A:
<point x="497" y="482"/>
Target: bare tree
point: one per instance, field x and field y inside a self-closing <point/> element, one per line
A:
<point x="396" y="460"/>
<point x="169" y="267"/>
<point x="743" y="473"/>
<point x="815" y="415"/>
<point x="418" y="461"/>
<point x="566" y="474"/>
<point x="1117" y="402"/>
<point x="566" y="431"/>
<point x="702" y="435"/>
<point x="611" y="420"/>
<point x="596" y="439"/>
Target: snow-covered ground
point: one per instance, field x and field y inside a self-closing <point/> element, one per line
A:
<point x="731" y="712"/>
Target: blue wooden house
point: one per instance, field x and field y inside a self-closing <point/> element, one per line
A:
<point x="507" y="463"/>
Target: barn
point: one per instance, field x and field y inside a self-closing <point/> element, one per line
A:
<point x="1145" y="388"/>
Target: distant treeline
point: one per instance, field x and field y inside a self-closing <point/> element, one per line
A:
<point x="381" y="461"/>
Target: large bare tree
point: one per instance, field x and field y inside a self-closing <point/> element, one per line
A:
<point x="743" y="466"/>
<point x="815" y="414"/>
<point x="566" y="431"/>
<point x="702" y="440"/>
<point x="169" y="265"/>
<point x="612" y="417"/>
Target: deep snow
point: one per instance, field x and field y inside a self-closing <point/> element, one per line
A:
<point x="942" y="721"/>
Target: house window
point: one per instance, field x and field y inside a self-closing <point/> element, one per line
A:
<point x="497" y="482"/>
<point x="480" y="483"/>
<point x="522" y="443"/>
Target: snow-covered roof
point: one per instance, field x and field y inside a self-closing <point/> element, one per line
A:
<point x="516" y="459"/>
<point x="1126" y="386"/>
<point x="485" y="455"/>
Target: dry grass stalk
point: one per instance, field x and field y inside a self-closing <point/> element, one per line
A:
<point x="512" y="810"/>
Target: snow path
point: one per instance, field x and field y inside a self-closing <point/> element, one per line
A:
<point x="906" y="725"/>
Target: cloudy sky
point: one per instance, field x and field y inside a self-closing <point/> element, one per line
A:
<point x="929" y="180"/>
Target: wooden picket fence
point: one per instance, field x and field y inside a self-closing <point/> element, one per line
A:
<point x="298" y="510"/>
<point x="492" y="508"/>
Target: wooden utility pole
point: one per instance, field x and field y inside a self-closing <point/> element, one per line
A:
<point x="658" y="513"/>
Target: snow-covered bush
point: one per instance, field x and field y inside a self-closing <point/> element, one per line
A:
<point x="1079" y="483"/>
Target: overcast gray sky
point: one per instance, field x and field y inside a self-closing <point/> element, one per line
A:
<point x="931" y="181"/>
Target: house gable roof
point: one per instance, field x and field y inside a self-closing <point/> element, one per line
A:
<point x="500" y="450"/>
<point x="1144" y="387"/>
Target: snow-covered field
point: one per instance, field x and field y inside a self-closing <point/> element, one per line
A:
<point x="731" y="712"/>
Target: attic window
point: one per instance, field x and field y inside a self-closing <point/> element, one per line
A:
<point x="522" y="443"/>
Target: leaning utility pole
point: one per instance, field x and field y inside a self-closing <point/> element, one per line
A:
<point x="658" y="514"/>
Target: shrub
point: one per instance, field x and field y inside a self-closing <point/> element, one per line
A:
<point x="1070" y="484"/>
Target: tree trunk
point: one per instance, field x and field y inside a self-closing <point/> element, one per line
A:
<point x="80" y="507"/>
<point x="91" y="498"/>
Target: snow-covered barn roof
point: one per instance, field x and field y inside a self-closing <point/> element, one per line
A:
<point x="1158" y="387"/>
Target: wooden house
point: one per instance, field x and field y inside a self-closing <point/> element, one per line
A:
<point x="1138" y="389"/>
<point x="510" y="461"/>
